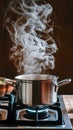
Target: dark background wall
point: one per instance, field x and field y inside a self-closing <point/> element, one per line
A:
<point x="63" y="11"/>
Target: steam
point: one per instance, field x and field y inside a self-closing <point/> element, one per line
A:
<point x="31" y="30"/>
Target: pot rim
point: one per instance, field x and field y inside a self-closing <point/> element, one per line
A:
<point x="35" y="77"/>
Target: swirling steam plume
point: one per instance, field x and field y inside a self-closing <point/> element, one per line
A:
<point x="31" y="30"/>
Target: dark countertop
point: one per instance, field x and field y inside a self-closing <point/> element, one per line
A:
<point x="65" y="117"/>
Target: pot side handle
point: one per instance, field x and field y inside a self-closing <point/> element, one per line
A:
<point x="64" y="82"/>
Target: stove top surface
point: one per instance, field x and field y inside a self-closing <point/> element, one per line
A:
<point x="22" y="116"/>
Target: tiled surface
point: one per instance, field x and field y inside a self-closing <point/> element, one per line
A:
<point x="68" y="100"/>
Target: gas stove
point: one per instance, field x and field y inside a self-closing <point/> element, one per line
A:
<point x="16" y="115"/>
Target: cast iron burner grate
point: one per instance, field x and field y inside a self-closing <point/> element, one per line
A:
<point x="39" y="115"/>
<point x="45" y="115"/>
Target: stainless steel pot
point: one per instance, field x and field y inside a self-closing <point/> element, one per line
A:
<point x="38" y="89"/>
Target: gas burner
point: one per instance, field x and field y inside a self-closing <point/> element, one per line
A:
<point x="32" y="114"/>
<point x="37" y="115"/>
